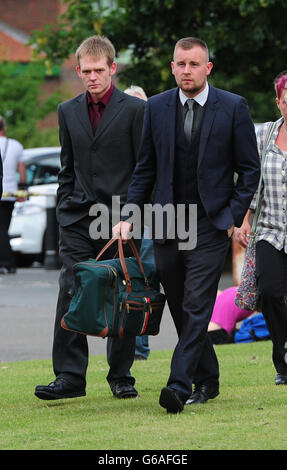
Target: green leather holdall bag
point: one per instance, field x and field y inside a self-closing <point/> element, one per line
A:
<point x="117" y="297"/>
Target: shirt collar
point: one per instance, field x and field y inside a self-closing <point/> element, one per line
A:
<point x="201" y="98"/>
<point x="104" y="99"/>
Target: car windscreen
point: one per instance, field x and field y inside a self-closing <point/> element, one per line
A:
<point x="43" y="171"/>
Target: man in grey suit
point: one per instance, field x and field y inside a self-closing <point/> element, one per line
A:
<point x="100" y="132"/>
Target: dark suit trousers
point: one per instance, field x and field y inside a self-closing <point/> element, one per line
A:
<point x="70" y="350"/>
<point x="190" y="280"/>
<point x="271" y="270"/>
<point x="7" y="256"/>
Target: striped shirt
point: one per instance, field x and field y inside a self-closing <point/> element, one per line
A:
<point x="272" y="221"/>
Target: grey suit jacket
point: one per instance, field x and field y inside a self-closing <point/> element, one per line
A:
<point x="96" y="167"/>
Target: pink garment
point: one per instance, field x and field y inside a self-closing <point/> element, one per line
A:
<point x="225" y="312"/>
<point x="281" y="84"/>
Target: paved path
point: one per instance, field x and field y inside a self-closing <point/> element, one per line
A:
<point x="27" y="310"/>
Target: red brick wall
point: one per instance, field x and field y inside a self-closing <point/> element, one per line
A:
<point x="12" y="50"/>
<point x="28" y="15"/>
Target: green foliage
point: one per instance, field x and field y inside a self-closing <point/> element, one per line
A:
<point x="58" y="41"/>
<point x="247" y="41"/>
<point x="21" y="103"/>
<point x="43" y="138"/>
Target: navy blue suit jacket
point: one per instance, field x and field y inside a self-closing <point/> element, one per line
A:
<point x="227" y="147"/>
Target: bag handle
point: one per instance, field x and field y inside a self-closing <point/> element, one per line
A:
<point x="123" y="261"/>
<point x="124" y="266"/>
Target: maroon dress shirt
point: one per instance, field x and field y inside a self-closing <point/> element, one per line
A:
<point x="96" y="110"/>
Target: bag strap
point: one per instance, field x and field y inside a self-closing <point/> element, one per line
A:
<point x="123" y="261"/>
<point x="260" y="186"/>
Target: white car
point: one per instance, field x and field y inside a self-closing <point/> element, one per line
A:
<point x="29" y="219"/>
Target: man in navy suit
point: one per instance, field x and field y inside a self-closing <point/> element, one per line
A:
<point x="192" y="157"/>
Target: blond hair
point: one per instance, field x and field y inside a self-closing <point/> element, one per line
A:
<point x="136" y="91"/>
<point x="96" y="46"/>
<point x="189" y="43"/>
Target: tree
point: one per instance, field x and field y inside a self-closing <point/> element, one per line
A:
<point x="20" y="100"/>
<point x="247" y="42"/>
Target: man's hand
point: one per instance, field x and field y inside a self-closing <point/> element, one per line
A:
<point x="123" y="229"/>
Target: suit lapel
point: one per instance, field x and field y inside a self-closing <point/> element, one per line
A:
<point x="171" y="122"/>
<point x="82" y="114"/>
<point x="208" y="119"/>
<point x="113" y="108"/>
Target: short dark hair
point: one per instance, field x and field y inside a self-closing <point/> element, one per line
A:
<point x="189" y="43"/>
<point x="2" y="123"/>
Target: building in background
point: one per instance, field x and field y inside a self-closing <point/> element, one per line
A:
<point x="18" y="18"/>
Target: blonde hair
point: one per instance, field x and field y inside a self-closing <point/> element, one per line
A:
<point x="96" y="46"/>
<point x="189" y="43"/>
<point x="136" y="91"/>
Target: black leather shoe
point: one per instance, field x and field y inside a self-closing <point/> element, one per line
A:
<point x="170" y="400"/>
<point x="202" y="393"/>
<point x="123" y="390"/>
<point x="281" y="379"/>
<point x="60" y="388"/>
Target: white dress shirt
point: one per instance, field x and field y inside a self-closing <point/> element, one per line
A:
<point x="201" y="98"/>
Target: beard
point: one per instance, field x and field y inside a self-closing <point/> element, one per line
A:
<point x="190" y="88"/>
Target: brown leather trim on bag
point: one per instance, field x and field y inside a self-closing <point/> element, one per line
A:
<point x="63" y="324"/>
<point x="124" y="266"/>
<point x="102" y="334"/>
<point x="122" y="259"/>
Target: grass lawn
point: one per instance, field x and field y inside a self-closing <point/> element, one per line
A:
<point x="250" y="412"/>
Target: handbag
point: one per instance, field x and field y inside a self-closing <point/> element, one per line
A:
<point x="247" y="296"/>
<point x="118" y="297"/>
